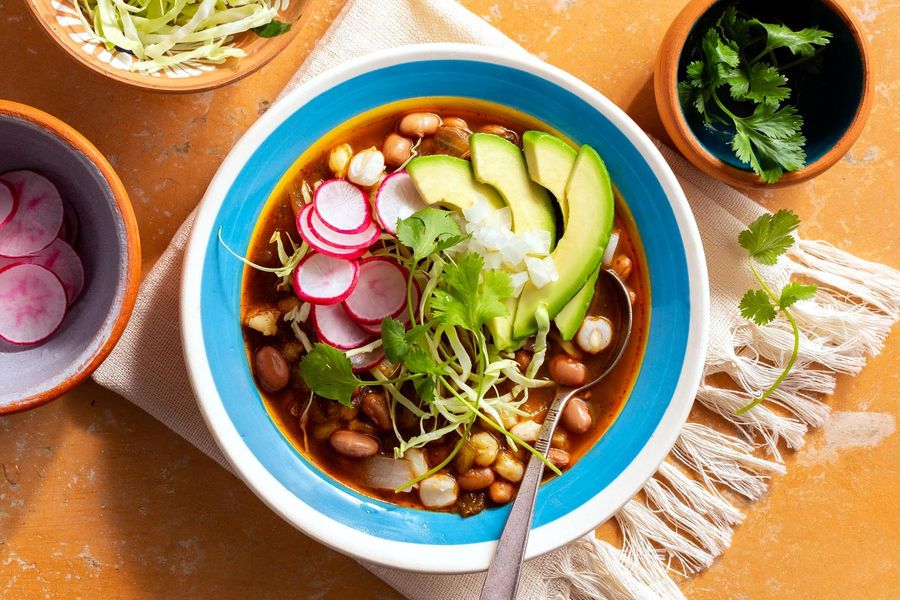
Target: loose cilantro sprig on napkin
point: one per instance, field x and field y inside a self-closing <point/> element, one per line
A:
<point x="767" y="238"/>
<point x="742" y="54"/>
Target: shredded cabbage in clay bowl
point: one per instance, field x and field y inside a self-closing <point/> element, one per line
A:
<point x="162" y="33"/>
<point x="171" y="45"/>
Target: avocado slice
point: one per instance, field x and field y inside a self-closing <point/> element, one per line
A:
<point x="569" y="319"/>
<point x="578" y="254"/>
<point x="550" y="161"/>
<point x="448" y="181"/>
<point x="500" y="164"/>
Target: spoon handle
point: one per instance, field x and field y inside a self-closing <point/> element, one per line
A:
<point x="503" y="575"/>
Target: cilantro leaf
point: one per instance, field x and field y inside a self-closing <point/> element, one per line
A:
<point x="468" y="296"/>
<point x="769" y="236"/>
<point x="425" y="389"/>
<point x="756" y="306"/>
<point x="794" y="292"/>
<point x="800" y="42"/>
<point x="272" y="29"/>
<point x="327" y="372"/>
<point x="770" y="142"/>
<point x="429" y="231"/>
<point x="735" y="27"/>
<point x="762" y="84"/>
<point x="394" y="340"/>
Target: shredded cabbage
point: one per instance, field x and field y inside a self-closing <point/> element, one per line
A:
<point x="163" y="33"/>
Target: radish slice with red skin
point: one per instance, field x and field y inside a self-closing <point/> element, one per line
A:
<point x="380" y="291"/>
<point x="342" y="207"/>
<point x="335" y="327"/>
<point x="403" y="317"/>
<point x="7" y="203"/>
<point x="367" y="361"/>
<point x="350" y="241"/>
<point x="32" y="303"/>
<point x="38" y="215"/>
<point x="60" y="258"/>
<point x="323" y="279"/>
<point x="397" y="198"/>
<point x="318" y="244"/>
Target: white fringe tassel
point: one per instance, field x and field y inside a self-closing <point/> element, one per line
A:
<point x="682" y="521"/>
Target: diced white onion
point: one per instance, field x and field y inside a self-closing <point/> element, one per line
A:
<point x="610" y="251"/>
<point x="518" y="282"/>
<point x="541" y="270"/>
<point x="536" y="242"/>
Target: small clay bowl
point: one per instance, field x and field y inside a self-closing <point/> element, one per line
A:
<point x="834" y="104"/>
<point x="62" y="23"/>
<point x="107" y="243"/>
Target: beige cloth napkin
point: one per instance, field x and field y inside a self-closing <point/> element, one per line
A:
<point x="147" y="368"/>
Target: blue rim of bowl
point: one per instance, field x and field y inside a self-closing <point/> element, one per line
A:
<point x="611" y="472"/>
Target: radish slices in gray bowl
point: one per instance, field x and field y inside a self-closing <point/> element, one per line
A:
<point x="41" y="275"/>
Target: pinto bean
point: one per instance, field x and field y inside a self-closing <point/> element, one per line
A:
<point x="375" y="407"/>
<point x="396" y="149"/>
<point x="576" y="416"/>
<point x="501" y="492"/>
<point x="456" y="122"/>
<point x="523" y="359"/>
<point x="476" y="478"/>
<point x="271" y="368"/>
<point x="568" y="371"/>
<point x="419" y="124"/>
<point x="559" y="458"/>
<point x="353" y="443"/>
<point x="622" y="265"/>
<point x="501" y="131"/>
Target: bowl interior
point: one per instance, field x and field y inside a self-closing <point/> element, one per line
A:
<point x="589" y="492"/>
<point x="828" y="104"/>
<point x="61" y="21"/>
<point x="89" y="321"/>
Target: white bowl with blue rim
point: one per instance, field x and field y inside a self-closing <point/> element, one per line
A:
<point x="569" y="506"/>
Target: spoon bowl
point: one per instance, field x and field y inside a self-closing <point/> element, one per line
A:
<point x="503" y="575"/>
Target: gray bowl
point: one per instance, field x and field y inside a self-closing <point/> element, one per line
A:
<point x="107" y="243"/>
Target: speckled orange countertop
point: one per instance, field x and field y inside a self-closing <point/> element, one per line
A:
<point x="98" y="500"/>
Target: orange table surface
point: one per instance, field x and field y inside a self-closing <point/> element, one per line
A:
<point x="98" y="500"/>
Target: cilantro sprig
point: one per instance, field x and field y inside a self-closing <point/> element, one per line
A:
<point x="767" y="238"/>
<point x="748" y="57"/>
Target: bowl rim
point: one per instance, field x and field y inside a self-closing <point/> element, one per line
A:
<point x="460" y="558"/>
<point x="665" y="87"/>
<point x="80" y="144"/>
<point x="164" y="85"/>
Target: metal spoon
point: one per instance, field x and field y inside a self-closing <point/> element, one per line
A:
<point x="503" y="574"/>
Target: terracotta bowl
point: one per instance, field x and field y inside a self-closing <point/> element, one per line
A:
<point x="834" y="108"/>
<point x="62" y="23"/>
<point x="107" y="242"/>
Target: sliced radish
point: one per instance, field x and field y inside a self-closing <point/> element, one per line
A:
<point x="350" y="241"/>
<point x="7" y="203"/>
<point x="342" y="207"/>
<point x="403" y="317"/>
<point x="323" y="279"/>
<point x="71" y="226"/>
<point x="367" y="360"/>
<point x="38" y="215"/>
<point x="60" y="258"/>
<point x="317" y="243"/>
<point x="335" y="327"/>
<point x="396" y="199"/>
<point x="32" y="303"/>
<point x="380" y="291"/>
